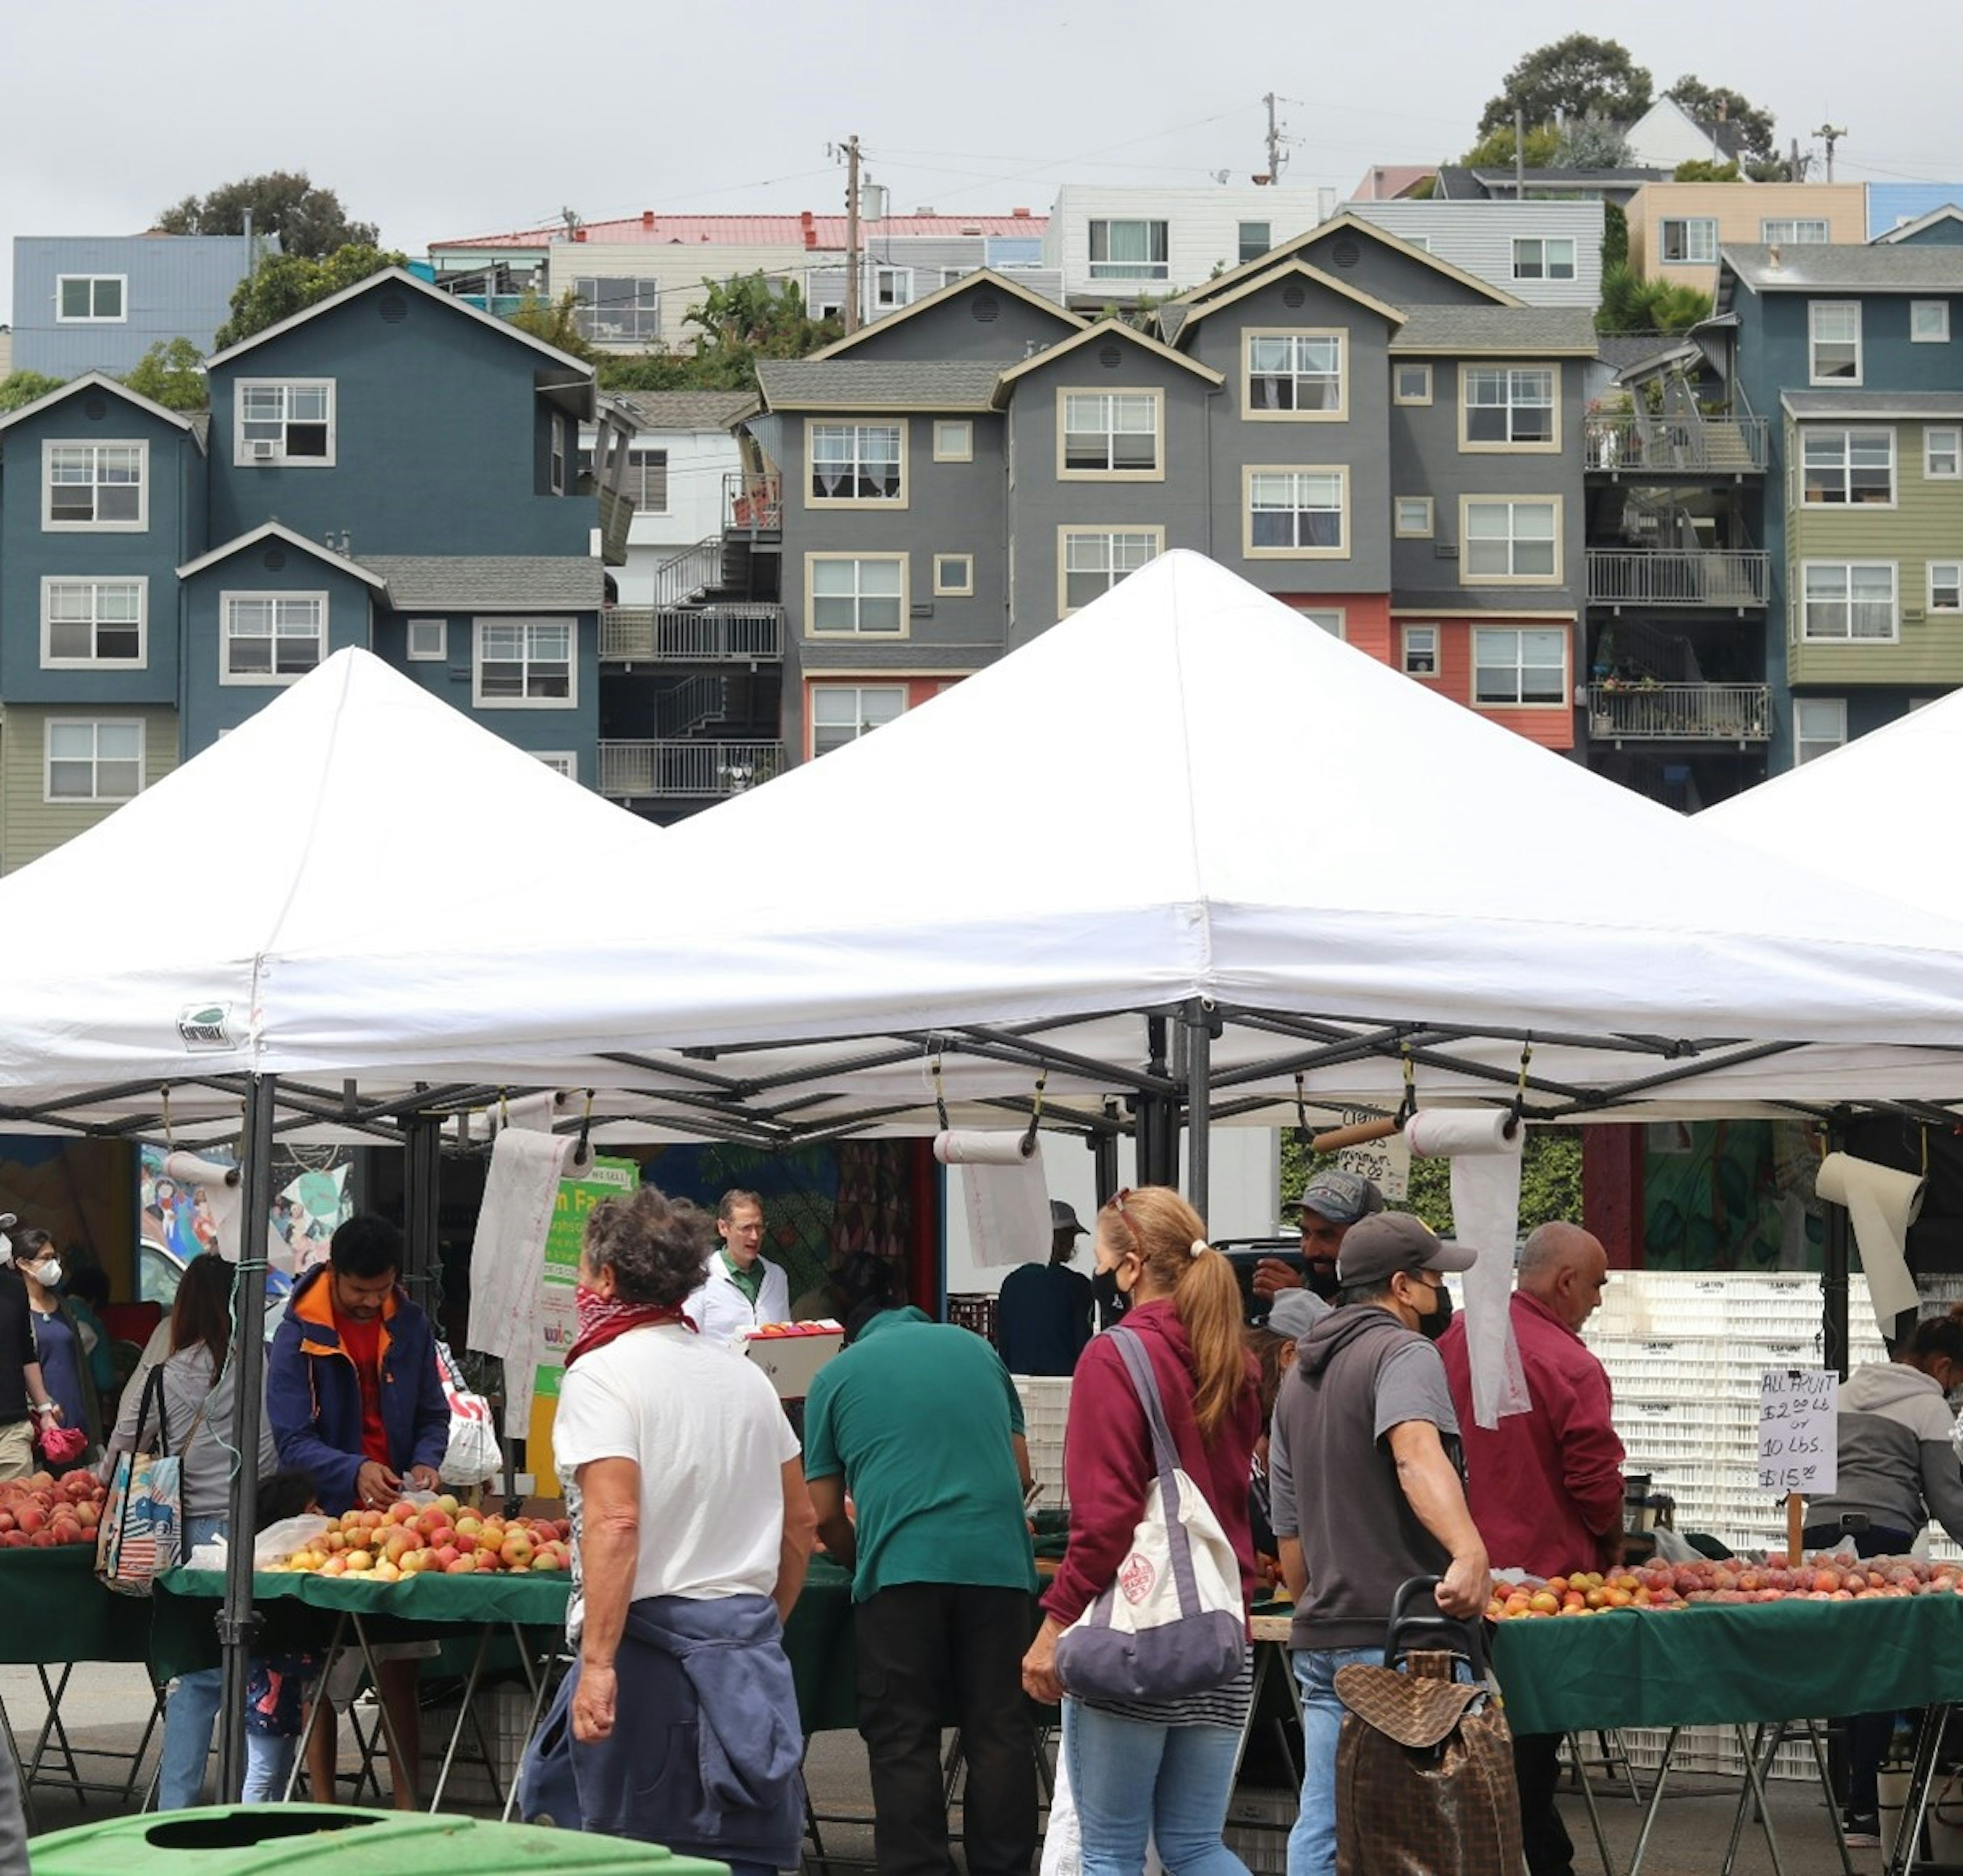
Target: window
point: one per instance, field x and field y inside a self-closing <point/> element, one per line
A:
<point x="428" y="638"/>
<point x="1520" y="666"/>
<point x="288" y="422"/>
<point x="862" y="593"/>
<point x="647" y="481"/>
<point x="1690" y="240"/>
<point x="1942" y="454"/>
<point x="1110" y="433"/>
<point x="1508" y="407"/>
<point x="1834" y="356"/>
<point x="100" y="485"/>
<point x="559" y="456"/>
<point x="1412" y="384"/>
<point x="271" y="638"/>
<point x="1413" y="517"/>
<point x="954" y="440"/>
<point x="954" y="575"/>
<point x="1296" y="374"/>
<point x="1421" y="651"/>
<point x="1331" y="619"/>
<point x="88" y="622"/>
<point x="1544" y="259"/>
<point x="1819" y="727"/>
<point x="843" y="713"/>
<point x="1848" y="468"/>
<point x="1505" y="540"/>
<point x="888" y="287"/>
<point x="1254" y="241"/>
<point x="1095" y="560"/>
<point x="1129" y="250"/>
<point x="856" y="463"/>
<point x="90" y="299"/>
<point x="1929" y="322"/>
<point x="1298" y="512"/>
<point x="523" y="664"/>
<point x="1808" y="231"/>
<point x="98" y="761"/>
<point x="560" y="761"/>
<point x="1945" y="586"/>
<point x="1849" y="601"/>
<point x="617" y="312"/>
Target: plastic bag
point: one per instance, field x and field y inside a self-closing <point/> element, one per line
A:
<point x="277" y="1542"/>
<point x="473" y="1454"/>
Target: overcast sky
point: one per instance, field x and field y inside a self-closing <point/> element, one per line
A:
<point x="442" y="118"/>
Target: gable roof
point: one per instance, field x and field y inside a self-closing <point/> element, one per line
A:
<point x="1843" y="267"/>
<point x="1948" y="212"/>
<point x="1000" y="282"/>
<point x="1508" y="331"/>
<point x="101" y="381"/>
<point x="847" y="384"/>
<point x="1355" y="224"/>
<point x="1109" y="330"/>
<point x="487" y="582"/>
<point x="278" y="531"/>
<point x="398" y="277"/>
<point x="1911" y="406"/>
<point x="1189" y="315"/>
<point x="688" y="410"/>
<point x="1391" y="182"/>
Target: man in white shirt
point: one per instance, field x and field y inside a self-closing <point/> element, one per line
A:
<point x="742" y="1289"/>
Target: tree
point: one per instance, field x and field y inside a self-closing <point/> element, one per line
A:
<point x="1710" y="103"/>
<point x="1550" y="1178"/>
<point x="1698" y="170"/>
<point x="1495" y="150"/>
<point x="555" y="321"/>
<point x="171" y="375"/>
<point x="310" y="222"/>
<point x="1571" y="78"/>
<point x="20" y="389"/>
<point x="751" y="314"/>
<point x="288" y="283"/>
<point x="1591" y="142"/>
<point x="1632" y="304"/>
<point x="1615" y="236"/>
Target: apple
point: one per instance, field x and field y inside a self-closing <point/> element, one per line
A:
<point x="359" y="1562"/>
<point x="515" y="1551"/>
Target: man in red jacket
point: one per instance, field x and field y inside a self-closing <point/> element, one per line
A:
<point x="1545" y="1488"/>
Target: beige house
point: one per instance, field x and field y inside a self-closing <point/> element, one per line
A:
<point x="1675" y="229"/>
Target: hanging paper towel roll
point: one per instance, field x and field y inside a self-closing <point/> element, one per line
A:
<point x="220" y="1189"/>
<point x="1882" y="1203"/>
<point x="535" y="1113"/>
<point x="975" y="1148"/>
<point x="1444" y="1133"/>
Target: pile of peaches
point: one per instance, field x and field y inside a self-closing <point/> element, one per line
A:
<point x="439" y="1538"/>
<point x="1826" y="1576"/>
<point x="39" y="1512"/>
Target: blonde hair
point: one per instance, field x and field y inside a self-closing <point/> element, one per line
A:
<point x="1168" y="1237"/>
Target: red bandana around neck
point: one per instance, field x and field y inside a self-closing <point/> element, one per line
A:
<point x="604" y="1319"/>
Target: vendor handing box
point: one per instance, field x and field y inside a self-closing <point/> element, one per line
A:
<point x="791" y="1353"/>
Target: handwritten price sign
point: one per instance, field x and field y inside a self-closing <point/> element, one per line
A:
<point x="1799" y="1415"/>
<point x="1386" y="1162"/>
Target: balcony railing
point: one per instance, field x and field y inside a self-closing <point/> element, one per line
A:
<point x="1626" y="443"/>
<point x="718" y="635"/>
<point x="1680" y="712"/>
<point x="683" y="771"/>
<point x="1732" y="579"/>
<point x="753" y="504"/>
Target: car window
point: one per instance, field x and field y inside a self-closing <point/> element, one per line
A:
<point x="158" y="1276"/>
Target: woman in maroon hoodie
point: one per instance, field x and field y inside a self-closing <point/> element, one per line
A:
<point x="1162" y="1769"/>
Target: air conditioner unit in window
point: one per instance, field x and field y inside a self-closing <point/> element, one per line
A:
<point x="265" y="450"/>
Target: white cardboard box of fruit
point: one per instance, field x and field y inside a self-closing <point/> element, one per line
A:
<point x="1661" y="1588"/>
<point x="39" y="1512"/>
<point x="416" y="1537"/>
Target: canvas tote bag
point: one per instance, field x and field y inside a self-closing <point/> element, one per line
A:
<point x="1172" y="1622"/>
<point x="142" y="1516"/>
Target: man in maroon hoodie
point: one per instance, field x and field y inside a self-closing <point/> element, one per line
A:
<point x="1546" y="1487"/>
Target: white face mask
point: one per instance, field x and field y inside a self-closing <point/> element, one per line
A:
<point x="48" y="1272"/>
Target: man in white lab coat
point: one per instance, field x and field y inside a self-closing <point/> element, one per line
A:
<point x="741" y="1288"/>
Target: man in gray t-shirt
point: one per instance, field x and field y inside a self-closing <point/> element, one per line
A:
<point x="1364" y="1470"/>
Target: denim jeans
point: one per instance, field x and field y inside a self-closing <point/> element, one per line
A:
<point x="1133" y="1781"/>
<point x="192" y="1710"/>
<point x="1311" y="1849"/>
<point x="269" y="1762"/>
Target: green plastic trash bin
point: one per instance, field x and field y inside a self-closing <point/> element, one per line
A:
<point x="318" y="1839"/>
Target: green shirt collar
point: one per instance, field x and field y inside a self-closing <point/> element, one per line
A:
<point x="750" y="1281"/>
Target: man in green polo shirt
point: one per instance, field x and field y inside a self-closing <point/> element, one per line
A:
<point x="919" y="1422"/>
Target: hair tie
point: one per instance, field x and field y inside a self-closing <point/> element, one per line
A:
<point x="1199" y="1245"/>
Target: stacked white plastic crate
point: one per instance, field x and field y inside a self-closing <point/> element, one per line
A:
<point x="1045" y="1412"/>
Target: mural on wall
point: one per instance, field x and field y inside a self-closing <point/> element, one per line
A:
<point x="311" y="1199"/>
<point x="1731" y="1195"/>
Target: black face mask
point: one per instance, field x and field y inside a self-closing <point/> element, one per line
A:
<point x="1432" y="1326"/>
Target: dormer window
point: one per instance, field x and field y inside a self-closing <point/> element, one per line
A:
<point x="284" y="421"/>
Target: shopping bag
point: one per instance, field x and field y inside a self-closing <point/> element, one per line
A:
<point x="141" y="1521"/>
<point x="473" y="1454"/>
<point x="1172" y="1622"/>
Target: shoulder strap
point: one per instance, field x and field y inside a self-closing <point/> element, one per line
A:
<point x="153" y="1396"/>
<point x="1138" y="1364"/>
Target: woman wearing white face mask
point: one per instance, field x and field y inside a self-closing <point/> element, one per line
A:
<point x="58" y="1343"/>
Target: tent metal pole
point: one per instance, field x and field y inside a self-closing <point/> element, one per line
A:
<point x="422" y="1175"/>
<point x="1199" y="1020"/>
<point x="1104" y="1148"/>
<point x="237" y="1620"/>
<point x="1833" y="1263"/>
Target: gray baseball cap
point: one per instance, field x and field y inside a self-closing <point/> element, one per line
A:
<point x="1375" y="1250"/>
<point x="1294" y="1312"/>
<point x="1063" y="1217"/>
<point x="1342" y="1198"/>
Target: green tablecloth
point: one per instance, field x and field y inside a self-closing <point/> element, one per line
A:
<point x="84" y="1622"/>
<point x="1717" y="1664"/>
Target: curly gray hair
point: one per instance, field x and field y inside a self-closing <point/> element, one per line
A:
<point x="656" y="1246"/>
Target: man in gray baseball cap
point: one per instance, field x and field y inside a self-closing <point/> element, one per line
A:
<point x="1332" y="1202"/>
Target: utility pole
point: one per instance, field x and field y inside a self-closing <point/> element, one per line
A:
<point x="852" y="234"/>
<point x="1277" y="158"/>
<point x="1831" y="134"/>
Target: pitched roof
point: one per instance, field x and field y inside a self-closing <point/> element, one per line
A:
<point x="737" y="231"/>
<point x="877" y="384"/>
<point x="1910" y="405"/>
<point x="1295" y="268"/>
<point x="1106" y="331"/>
<point x="400" y="277"/>
<point x="1948" y="212"/>
<point x="688" y="410"/>
<point x="1000" y="282"/>
<point x="1227" y="282"/>
<point x="1508" y="330"/>
<point x="279" y="531"/>
<point x="485" y="582"/>
<point x="101" y="381"/>
<point x="1845" y="267"/>
<point x="1389" y="182"/>
<point x="1623" y="351"/>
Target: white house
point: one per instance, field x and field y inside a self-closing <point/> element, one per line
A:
<point x="1547" y="254"/>
<point x="1666" y="134"/>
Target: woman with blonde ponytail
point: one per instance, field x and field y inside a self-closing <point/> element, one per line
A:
<point x="1159" y="1770"/>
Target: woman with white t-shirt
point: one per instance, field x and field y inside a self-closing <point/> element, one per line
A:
<point x="692" y="1528"/>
